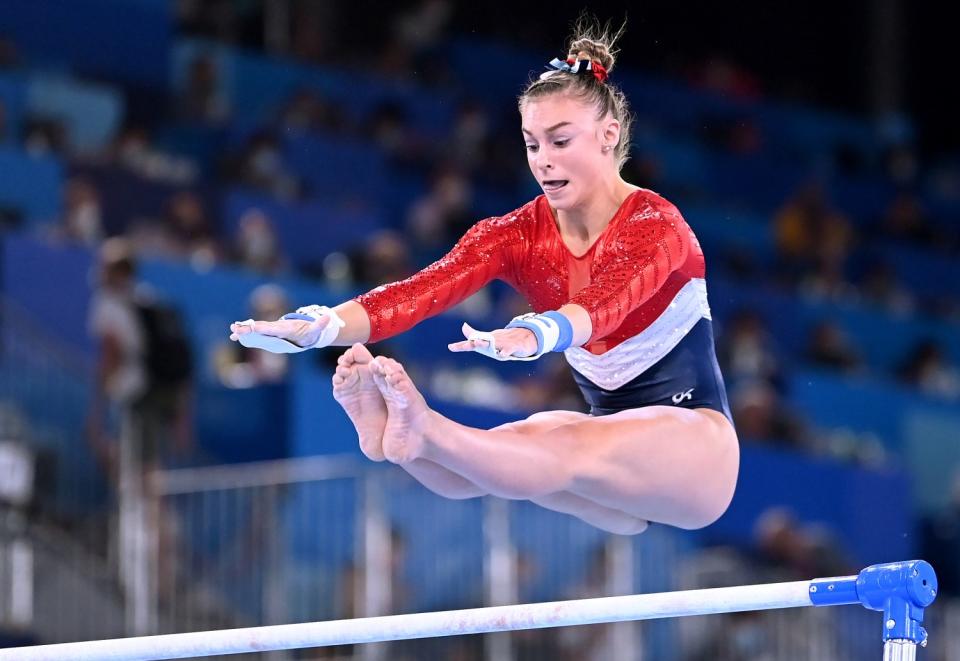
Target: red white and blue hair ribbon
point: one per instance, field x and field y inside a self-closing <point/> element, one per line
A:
<point x="577" y="67"/>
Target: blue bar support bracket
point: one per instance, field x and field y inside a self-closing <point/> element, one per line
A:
<point x="902" y="590"/>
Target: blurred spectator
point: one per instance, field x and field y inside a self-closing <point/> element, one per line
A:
<point x="423" y="26"/>
<point x="811" y="238"/>
<point x="143" y="368"/>
<point x="928" y="368"/>
<point x="384" y="258"/>
<point x="190" y="232"/>
<point x="443" y="215"/>
<point x="761" y="416"/>
<point x="114" y="322"/>
<point x="262" y="167"/>
<point x="748" y="351"/>
<point x="203" y="97"/>
<point x="255" y="245"/>
<point x="828" y="346"/>
<point x="134" y="151"/>
<point x="82" y="221"/>
<point x="940" y="541"/>
<point x="412" y="48"/>
<point x="239" y="367"/>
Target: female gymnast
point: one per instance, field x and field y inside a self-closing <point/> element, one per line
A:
<point x="616" y="278"/>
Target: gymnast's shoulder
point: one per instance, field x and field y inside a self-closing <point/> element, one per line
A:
<point x="645" y="204"/>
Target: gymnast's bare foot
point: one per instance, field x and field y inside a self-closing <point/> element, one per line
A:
<point x="355" y="390"/>
<point x="406" y="411"/>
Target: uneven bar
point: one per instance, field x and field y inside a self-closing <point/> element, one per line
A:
<point x="901" y="590"/>
<point x="425" y="625"/>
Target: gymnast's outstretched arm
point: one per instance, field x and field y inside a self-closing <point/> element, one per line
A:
<point x="486" y="252"/>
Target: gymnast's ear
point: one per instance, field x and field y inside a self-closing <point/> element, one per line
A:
<point x="609" y="132"/>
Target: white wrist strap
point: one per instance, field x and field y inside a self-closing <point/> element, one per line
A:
<point x="308" y="313"/>
<point x="490" y="348"/>
<point x="330" y="332"/>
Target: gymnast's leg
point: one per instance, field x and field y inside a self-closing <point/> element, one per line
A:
<point x="606" y="518"/>
<point x="667" y="464"/>
<point x="354" y="388"/>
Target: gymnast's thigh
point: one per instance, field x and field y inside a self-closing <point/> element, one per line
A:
<point x="660" y="463"/>
<point x="542" y="422"/>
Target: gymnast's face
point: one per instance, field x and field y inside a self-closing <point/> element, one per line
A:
<point x="565" y="147"/>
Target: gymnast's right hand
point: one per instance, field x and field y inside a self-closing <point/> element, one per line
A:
<point x="296" y="331"/>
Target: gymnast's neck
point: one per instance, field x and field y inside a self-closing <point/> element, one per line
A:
<point x="587" y="220"/>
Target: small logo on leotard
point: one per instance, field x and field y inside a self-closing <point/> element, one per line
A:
<point x="681" y="396"/>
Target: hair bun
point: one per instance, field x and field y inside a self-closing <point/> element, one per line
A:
<point x="593" y="50"/>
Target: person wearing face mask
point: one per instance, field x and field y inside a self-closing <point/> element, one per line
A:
<point x="616" y="279"/>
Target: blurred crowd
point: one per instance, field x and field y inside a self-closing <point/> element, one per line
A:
<point x="815" y="241"/>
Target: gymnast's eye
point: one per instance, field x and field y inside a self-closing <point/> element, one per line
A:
<point x="532" y="149"/>
<point x="561" y="143"/>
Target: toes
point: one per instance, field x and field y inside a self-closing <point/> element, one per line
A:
<point x="361" y="354"/>
<point x="376" y="371"/>
<point x="388" y="365"/>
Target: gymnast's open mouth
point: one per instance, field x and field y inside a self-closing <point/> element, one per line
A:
<point x="551" y="185"/>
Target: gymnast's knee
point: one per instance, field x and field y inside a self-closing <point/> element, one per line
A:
<point x="708" y="511"/>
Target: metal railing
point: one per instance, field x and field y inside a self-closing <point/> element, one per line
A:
<point x="58" y="578"/>
<point x="336" y="538"/>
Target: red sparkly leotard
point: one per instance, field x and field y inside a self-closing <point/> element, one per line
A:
<point x="642" y="283"/>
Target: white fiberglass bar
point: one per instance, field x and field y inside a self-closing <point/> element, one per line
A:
<point x="429" y="625"/>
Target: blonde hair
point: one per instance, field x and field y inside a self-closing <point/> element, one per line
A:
<point x="590" y="41"/>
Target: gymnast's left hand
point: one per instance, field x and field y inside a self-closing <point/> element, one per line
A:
<point x="518" y="342"/>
